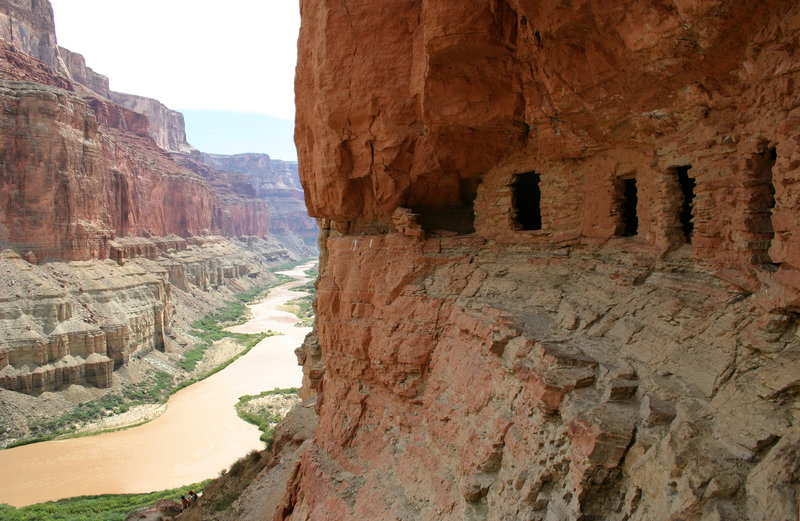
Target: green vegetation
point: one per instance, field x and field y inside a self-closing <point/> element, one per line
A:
<point x="283" y="278"/>
<point x="210" y="328"/>
<point x="157" y="387"/>
<point x="248" y="340"/>
<point x="267" y="416"/>
<point x="220" y="494"/>
<point x="303" y="307"/>
<point x="160" y="385"/>
<point x="224" y="500"/>
<point x="311" y="272"/>
<point x="108" y="507"/>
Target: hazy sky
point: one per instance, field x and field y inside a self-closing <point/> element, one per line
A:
<point x="236" y="55"/>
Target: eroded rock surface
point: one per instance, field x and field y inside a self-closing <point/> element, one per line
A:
<point x="86" y="175"/>
<point x="80" y="170"/>
<point x="28" y="26"/>
<point x="277" y="182"/>
<point x="65" y="323"/>
<point x="167" y="127"/>
<point x="559" y="278"/>
<point x="83" y="74"/>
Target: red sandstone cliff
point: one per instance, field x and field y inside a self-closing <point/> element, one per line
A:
<point x="167" y="127"/>
<point x="81" y="179"/>
<point x="591" y="311"/>
<point x="79" y="171"/>
<point x="83" y="74"/>
<point x="28" y="26"/>
<point x="239" y="197"/>
<point x="278" y="183"/>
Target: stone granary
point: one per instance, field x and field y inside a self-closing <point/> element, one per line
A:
<point x="559" y="274"/>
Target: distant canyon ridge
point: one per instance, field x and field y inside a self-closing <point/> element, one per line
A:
<point x="225" y="196"/>
<point x="110" y="221"/>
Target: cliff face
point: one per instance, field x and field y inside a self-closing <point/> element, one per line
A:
<point x="559" y="278"/>
<point x="65" y="323"/>
<point x="82" y="180"/>
<point x="79" y="171"/>
<point x="167" y="127"/>
<point x="83" y="74"/>
<point x="278" y="183"/>
<point x="28" y="26"/>
<point x="239" y="198"/>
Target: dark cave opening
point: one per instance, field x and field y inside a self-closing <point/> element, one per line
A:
<point x="630" y="201"/>
<point x="527" y="201"/>
<point x="762" y="205"/>
<point x="687" y="185"/>
<point x="456" y="218"/>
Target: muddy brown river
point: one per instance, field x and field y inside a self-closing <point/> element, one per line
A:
<point x="198" y="436"/>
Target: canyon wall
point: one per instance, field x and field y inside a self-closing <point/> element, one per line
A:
<point x="81" y="73"/>
<point x="167" y="127"/>
<point x="239" y="197"/>
<point x="79" y="171"/>
<point x="65" y="323"/>
<point x="559" y="278"/>
<point x="28" y="26"/>
<point x="278" y="183"/>
<point x="99" y="225"/>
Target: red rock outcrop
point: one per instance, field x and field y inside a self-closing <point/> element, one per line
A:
<point x="278" y="183"/>
<point x="28" y="26"/>
<point x="242" y="211"/>
<point x="19" y="67"/>
<point x="559" y="278"/>
<point x="167" y="127"/>
<point x="80" y="172"/>
<point x="81" y="73"/>
<point x="81" y="179"/>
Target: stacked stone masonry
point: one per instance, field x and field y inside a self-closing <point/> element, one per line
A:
<point x="469" y="369"/>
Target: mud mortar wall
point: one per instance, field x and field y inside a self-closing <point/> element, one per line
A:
<point x="472" y="369"/>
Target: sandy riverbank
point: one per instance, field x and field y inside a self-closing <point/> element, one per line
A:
<point x="197" y="436"/>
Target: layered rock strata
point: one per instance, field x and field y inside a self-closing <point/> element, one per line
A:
<point x="82" y="179"/>
<point x="167" y="127"/>
<point x="73" y="323"/>
<point x="239" y="199"/>
<point x="83" y="74"/>
<point x="28" y="26"/>
<point x="80" y="171"/>
<point x="277" y="183"/>
<point x="559" y="278"/>
<point x="65" y="323"/>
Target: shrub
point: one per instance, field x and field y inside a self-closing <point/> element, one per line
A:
<point x="266" y="417"/>
<point x="106" y="507"/>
